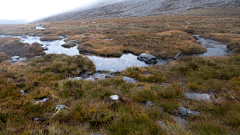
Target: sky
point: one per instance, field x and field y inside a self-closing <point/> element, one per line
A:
<point x="32" y="10"/>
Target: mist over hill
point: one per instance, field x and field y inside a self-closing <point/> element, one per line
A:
<point x="122" y="8"/>
<point x="4" y="21"/>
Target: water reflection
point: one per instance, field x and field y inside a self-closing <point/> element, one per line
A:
<point x="214" y="48"/>
<point x="39" y="27"/>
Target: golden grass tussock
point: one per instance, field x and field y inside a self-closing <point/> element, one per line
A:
<point x="50" y="38"/>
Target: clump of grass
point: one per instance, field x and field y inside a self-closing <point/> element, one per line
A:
<point x="50" y="38"/>
<point x="64" y="64"/>
<point x="3" y="56"/>
<point x="234" y="46"/>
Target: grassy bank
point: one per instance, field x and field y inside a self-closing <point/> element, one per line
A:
<point x="92" y="111"/>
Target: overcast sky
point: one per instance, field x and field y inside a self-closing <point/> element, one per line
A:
<point x="32" y="10"/>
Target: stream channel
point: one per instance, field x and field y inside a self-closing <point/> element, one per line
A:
<point x="214" y="48"/>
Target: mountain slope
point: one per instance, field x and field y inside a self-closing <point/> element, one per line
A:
<point x="136" y="8"/>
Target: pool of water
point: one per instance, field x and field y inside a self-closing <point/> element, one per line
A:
<point x="214" y="48"/>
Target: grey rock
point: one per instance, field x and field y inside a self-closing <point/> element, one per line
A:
<point x="162" y="124"/>
<point x="147" y="58"/>
<point x="148" y="103"/>
<point x="42" y="101"/>
<point x="197" y="96"/>
<point x="58" y="108"/>
<point x="129" y="80"/>
<point x="77" y="78"/>
<point x="36" y="119"/>
<point x="166" y="84"/>
<point x="186" y="112"/>
<point x="102" y="76"/>
<point x="23" y="93"/>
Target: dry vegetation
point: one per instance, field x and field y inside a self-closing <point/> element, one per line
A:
<point x="90" y="108"/>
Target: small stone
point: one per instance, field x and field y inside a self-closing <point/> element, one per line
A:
<point x="23" y="93"/>
<point x="114" y="97"/>
<point x="162" y="124"/>
<point x="36" y="119"/>
<point x="166" y="84"/>
<point x="42" y="101"/>
<point x="58" y="108"/>
<point x="197" y="96"/>
<point x="129" y="80"/>
<point x="148" y="103"/>
<point x="185" y="112"/>
<point x="77" y="78"/>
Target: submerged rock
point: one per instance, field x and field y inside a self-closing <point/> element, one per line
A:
<point x="147" y="58"/>
<point x="44" y="48"/>
<point x="186" y="112"/>
<point x="197" y="96"/>
<point x="129" y="80"/>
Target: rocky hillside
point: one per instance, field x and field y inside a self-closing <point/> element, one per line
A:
<point x="135" y="8"/>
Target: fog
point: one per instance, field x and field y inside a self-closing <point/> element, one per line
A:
<point x="32" y="10"/>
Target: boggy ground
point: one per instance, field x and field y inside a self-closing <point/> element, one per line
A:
<point x="10" y="46"/>
<point x="90" y="109"/>
<point x="163" y="35"/>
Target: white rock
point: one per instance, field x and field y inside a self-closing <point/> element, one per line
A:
<point x="42" y="101"/>
<point x="58" y="108"/>
<point x="114" y="97"/>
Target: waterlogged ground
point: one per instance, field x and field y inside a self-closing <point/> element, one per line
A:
<point x="214" y="48"/>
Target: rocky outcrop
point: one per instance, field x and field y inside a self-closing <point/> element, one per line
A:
<point x="147" y="58"/>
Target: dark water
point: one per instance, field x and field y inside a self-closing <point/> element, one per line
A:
<point x="214" y="48"/>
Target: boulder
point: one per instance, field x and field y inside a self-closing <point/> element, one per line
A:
<point x="147" y="58"/>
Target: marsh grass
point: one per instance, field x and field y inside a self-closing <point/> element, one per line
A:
<point x="91" y="110"/>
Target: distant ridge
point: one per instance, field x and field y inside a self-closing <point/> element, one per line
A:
<point x="136" y="8"/>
